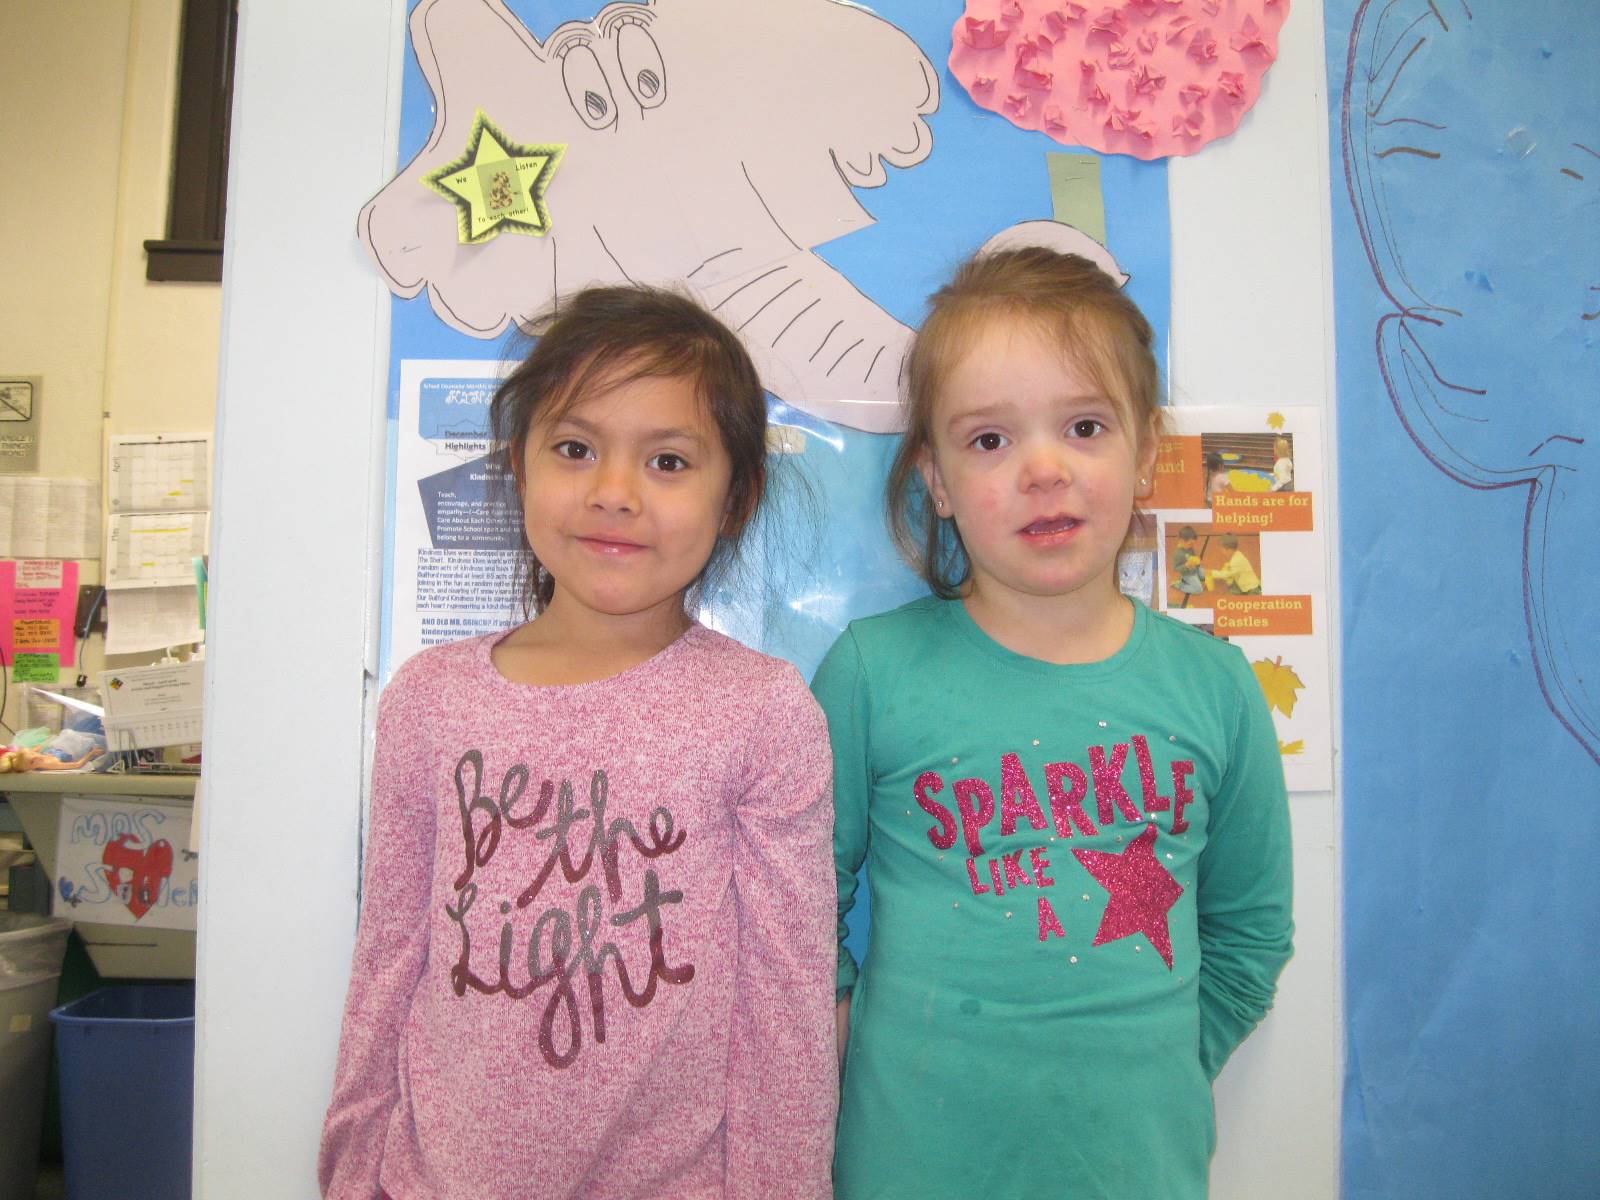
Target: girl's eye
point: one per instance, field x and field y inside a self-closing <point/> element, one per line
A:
<point x="668" y="462"/>
<point x="573" y="449"/>
<point x="989" y="441"/>
<point x="1086" y="428"/>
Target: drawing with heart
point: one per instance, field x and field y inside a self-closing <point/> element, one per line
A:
<point x="135" y="876"/>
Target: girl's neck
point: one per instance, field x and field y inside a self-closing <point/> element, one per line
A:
<point x="1055" y="629"/>
<point x="571" y="644"/>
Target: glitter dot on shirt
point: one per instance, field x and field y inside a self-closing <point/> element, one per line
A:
<point x="1074" y="958"/>
<point x="1102" y="724"/>
<point x="1035" y="741"/>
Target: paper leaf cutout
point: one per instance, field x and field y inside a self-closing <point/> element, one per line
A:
<point x="1288" y="749"/>
<point x="1280" y="684"/>
<point x="1275" y="420"/>
<point x="1150" y="78"/>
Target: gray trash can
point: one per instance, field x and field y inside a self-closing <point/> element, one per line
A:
<point x="31" y="950"/>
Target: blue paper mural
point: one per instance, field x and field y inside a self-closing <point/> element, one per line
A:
<point x="740" y="113"/>
<point x="1467" y="275"/>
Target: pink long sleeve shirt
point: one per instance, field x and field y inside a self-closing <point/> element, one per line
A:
<point x="595" y="956"/>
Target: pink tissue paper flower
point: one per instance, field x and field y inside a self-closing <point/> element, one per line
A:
<point x="1155" y="78"/>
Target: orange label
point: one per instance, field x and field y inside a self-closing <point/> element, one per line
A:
<point x="1262" y="615"/>
<point x="1255" y="511"/>
<point x="1180" y="475"/>
<point x="36" y="635"/>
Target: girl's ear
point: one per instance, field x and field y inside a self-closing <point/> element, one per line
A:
<point x="1149" y="447"/>
<point x="928" y="468"/>
<point x="736" y="513"/>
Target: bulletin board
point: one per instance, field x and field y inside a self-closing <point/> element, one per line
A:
<point x="795" y="144"/>
<point x="1466" y="171"/>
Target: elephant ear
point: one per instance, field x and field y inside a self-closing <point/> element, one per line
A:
<point x="836" y="91"/>
<point x="880" y="116"/>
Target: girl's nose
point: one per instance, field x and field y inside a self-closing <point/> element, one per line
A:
<point x="1044" y="466"/>
<point x="614" y="486"/>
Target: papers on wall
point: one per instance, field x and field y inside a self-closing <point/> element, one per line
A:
<point x="154" y="549"/>
<point x="121" y="863"/>
<point x="49" y="518"/>
<point x="159" y="492"/>
<point x="38" y="598"/>
<point x="152" y="706"/>
<point x="160" y="472"/>
<point x="1239" y="509"/>
<point x="151" y="618"/>
<point x="454" y="542"/>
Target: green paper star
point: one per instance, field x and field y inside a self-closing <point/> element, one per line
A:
<point x="497" y="184"/>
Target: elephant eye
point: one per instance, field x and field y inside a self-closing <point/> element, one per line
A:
<point x="640" y="60"/>
<point x="587" y="88"/>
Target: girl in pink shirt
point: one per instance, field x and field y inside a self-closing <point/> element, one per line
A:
<point x="595" y="954"/>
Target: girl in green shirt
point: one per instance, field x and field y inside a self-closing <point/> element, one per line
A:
<point x="1071" y="809"/>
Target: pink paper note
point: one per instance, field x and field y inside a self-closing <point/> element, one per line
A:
<point x="38" y="600"/>
<point x="1150" y="78"/>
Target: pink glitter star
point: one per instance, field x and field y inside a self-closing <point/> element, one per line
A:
<point x="1142" y="893"/>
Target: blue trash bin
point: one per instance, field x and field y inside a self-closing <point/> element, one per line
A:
<point x="127" y="1092"/>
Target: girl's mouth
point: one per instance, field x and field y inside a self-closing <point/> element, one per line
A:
<point x="1046" y="526"/>
<point x="610" y="546"/>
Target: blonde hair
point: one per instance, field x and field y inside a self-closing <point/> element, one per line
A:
<point x="1076" y="306"/>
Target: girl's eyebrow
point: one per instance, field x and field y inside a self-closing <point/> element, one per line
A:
<point x="673" y="433"/>
<point x="984" y="412"/>
<point x="662" y="434"/>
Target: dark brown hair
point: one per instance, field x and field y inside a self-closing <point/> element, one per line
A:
<point x="1074" y="304"/>
<point x="604" y="338"/>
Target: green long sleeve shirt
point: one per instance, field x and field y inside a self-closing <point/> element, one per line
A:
<point x="1080" y="905"/>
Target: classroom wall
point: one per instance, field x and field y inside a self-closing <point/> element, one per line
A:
<point x="88" y="90"/>
<point x="293" y="630"/>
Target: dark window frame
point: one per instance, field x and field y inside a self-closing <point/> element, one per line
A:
<point x="192" y="250"/>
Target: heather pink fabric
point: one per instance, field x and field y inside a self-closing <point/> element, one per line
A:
<point x="538" y="1009"/>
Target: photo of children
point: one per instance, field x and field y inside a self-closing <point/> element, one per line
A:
<point x="1206" y="561"/>
<point x="1282" y="465"/>
<point x="1188" y="577"/>
<point x="1237" y="576"/>
<point x="1216" y="477"/>
<point x="1247" y="462"/>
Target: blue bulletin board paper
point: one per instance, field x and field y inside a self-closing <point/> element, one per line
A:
<point x="1466" y="203"/>
<point x="982" y="176"/>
